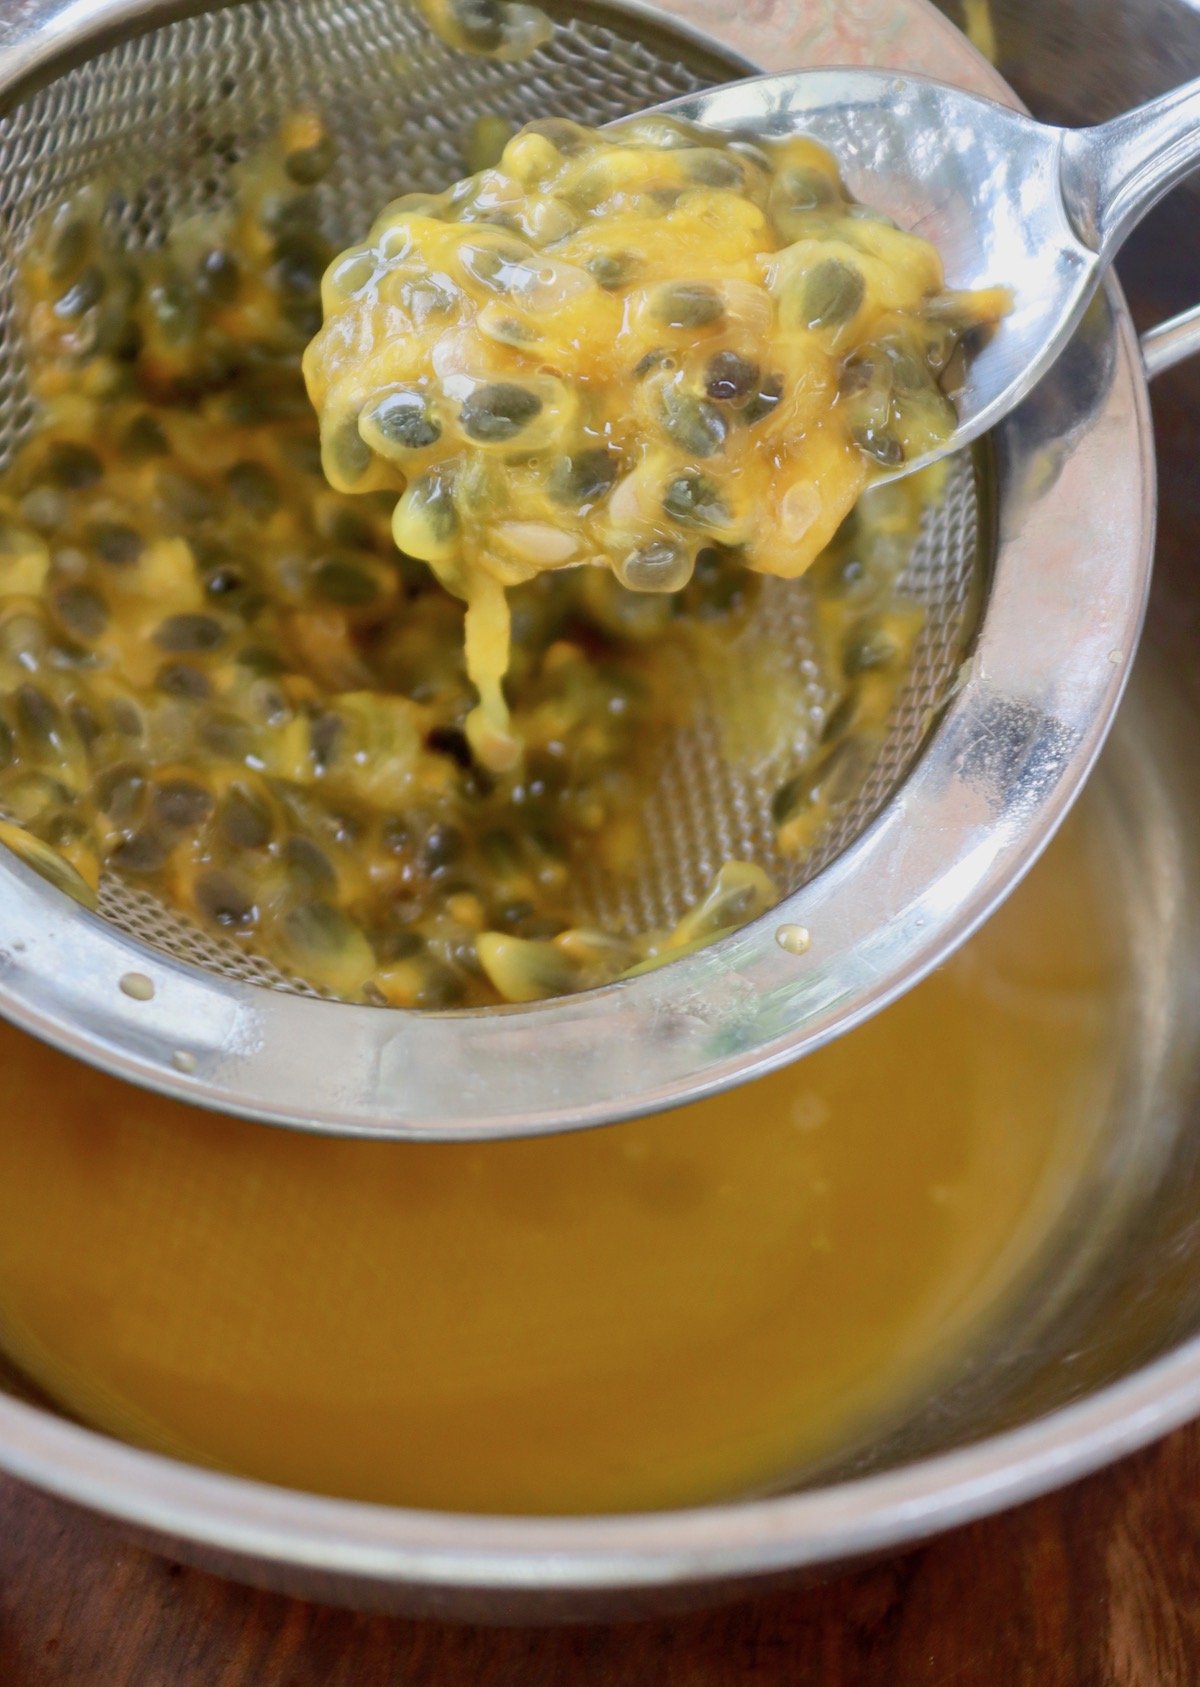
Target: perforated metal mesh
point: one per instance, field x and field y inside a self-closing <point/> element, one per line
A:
<point x="163" y="118"/>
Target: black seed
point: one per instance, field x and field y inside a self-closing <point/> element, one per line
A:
<point x="245" y="819"/>
<point x="223" y="900"/>
<point x="144" y="438"/>
<point x="442" y="845"/>
<point x="183" y="634"/>
<point x="398" y="945"/>
<point x="84" y="294"/>
<point x="114" y="543"/>
<point x="144" y="852"/>
<point x="310" y="164"/>
<point x="254" y="487"/>
<point x="404" y="420"/>
<point x="73" y="467"/>
<point x="730" y="377"/>
<point x="833" y="292"/>
<point x="309" y="865"/>
<point x="584" y="477"/>
<point x="498" y="411"/>
<point x="182" y="803"/>
<point x="450" y="741"/>
<point x="181" y="679"/>
<point x="224" y="583"/>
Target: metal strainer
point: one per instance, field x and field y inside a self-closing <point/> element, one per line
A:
<point x="977" y="766"/>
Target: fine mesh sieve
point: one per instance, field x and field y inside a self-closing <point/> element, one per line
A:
<point x="164" y="115"/>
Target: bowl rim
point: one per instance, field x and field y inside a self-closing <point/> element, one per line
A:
<point x="349" y="1540"/>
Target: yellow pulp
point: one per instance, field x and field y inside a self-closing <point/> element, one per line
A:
<point x="676" y="1309"/>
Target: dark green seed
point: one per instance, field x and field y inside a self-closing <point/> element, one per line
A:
<point x="127" y="718"/>
<point x="181" y="635"/>
<point x="224" y="583"/>
<point x="910" y="372"/>
<point x="859" y="374"/>
<point x="694" y="423"/>
<point x="791" y="798"/>
<point x="143" y="852"/>
<point x="245" y="819"/>
<point x="442" y="845"/>
<point x="84" y="719"/>
<point x="308" y="165"/>
<point x="881" y="444"/>
<point x="730" y="377"/>
<point x="688" y="304"/>
<point x="764" y="400"/>
<point x="611" y="270"/>
<point x="84" y="294"/>
<point x="481" y="23"/>
<point x="184" y="500"/>
<point x="651" y="360"/>
<point x="309" y="866"/>
<point x="258" y="660"/>
<point x="712" y="168"/>
<point x="692" y="497"/>
<point x="584" y="477"/>
<point x="255" y="488"/>
<point x="219" y="276"/>
<point x="658" y="567"/>
<point x="227" y="736"/>
<point x="325" y="736"/>
<point x="865" y="650"/>
<point x="182" y="803"/>
<point x="144" y="438"/>
<point x="181" y="679"/>
<point x="82" y="611"/>
<point x="69" y="249"/>
<point x="225" y="901"/>
<point x="404" y="420"/>
<point x="498" y="411"/>
<point x="833" y="292"/>
<point x="176" y="310"/>
<point x="114" y="543"/>
<point x="300" y="261"/>
<point x="73" y="467"/>
<point x="345" y="583"/>
<point x="441" y="986"/>
<point x="349" y="453"/>
<point x="38" y="716"/>
<point x="802" y="188"/>
<point x="398" y="945"/>
<point x="841" y="718"/>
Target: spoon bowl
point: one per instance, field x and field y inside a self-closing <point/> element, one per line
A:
<point x="1006" y="201"/>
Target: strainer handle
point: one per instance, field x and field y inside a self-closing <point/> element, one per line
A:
<point x="1168" y="344"/>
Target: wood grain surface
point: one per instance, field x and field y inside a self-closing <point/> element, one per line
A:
<point x="1097" y="1586"/>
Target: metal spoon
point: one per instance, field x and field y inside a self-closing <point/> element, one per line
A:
<point x="1005" y="200"/>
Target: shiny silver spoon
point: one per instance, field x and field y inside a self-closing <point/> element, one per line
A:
<point x="1006" y="201"/>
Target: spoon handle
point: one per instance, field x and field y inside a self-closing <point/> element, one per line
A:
<point x="1112" y="174"/>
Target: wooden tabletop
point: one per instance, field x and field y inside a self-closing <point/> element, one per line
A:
<point x="1097" y="1586"/>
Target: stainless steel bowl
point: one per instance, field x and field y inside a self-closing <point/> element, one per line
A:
<point x="1103" y="1351"/>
